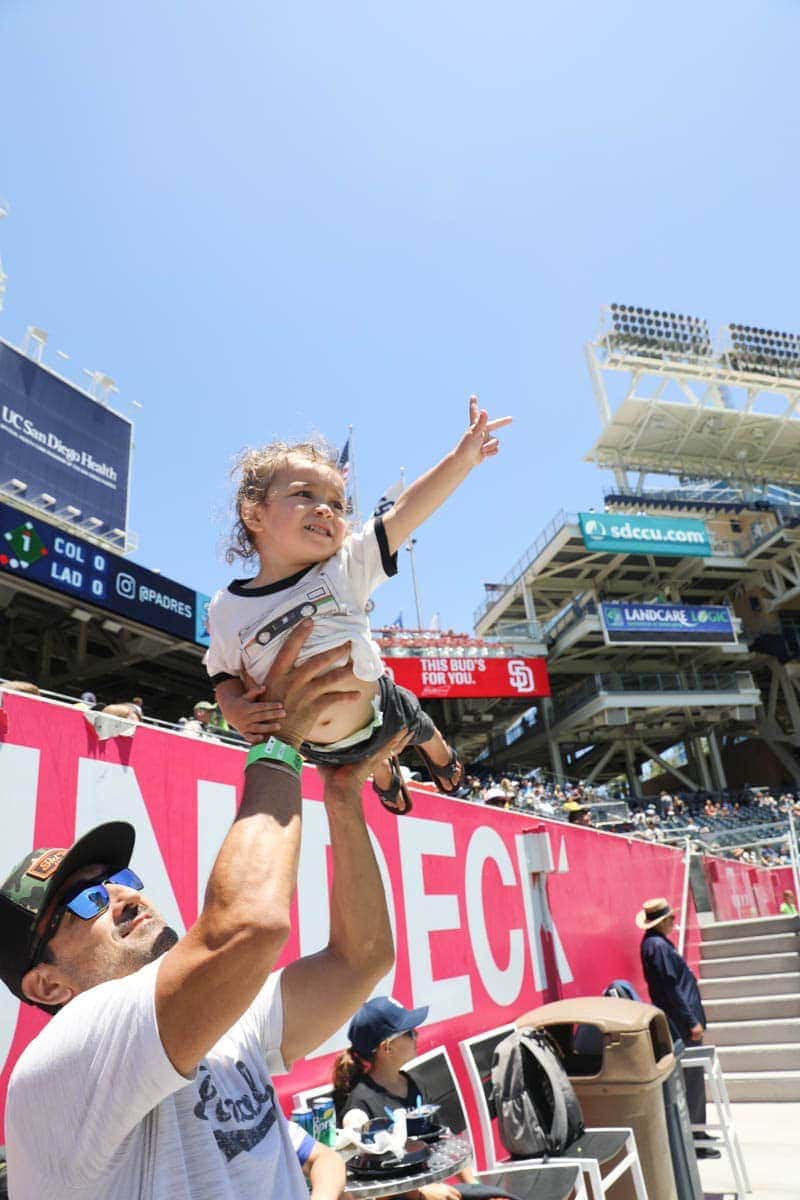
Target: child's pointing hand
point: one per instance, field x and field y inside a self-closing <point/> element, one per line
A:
<point x="479" y="442"/>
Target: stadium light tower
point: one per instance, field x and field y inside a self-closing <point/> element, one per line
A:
<point x="674" y="401"/>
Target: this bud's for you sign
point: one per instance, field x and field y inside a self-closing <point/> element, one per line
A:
<point x="479" y="678"/>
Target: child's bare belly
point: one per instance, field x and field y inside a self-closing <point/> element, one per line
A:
<point x="343" y="717"/>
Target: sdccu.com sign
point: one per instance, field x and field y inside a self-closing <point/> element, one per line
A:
<point x="678" y="536"/>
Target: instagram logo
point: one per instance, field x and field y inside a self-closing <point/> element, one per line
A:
<point x="126" y="586"/>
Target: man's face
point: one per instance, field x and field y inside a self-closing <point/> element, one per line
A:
<point x="203" y="715"/>
<point x="125" y="936"/>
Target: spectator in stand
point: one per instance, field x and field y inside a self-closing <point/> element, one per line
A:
<point x="369" y="1074"/>
<point x="789" y="904"/>
<point x="673" y="988"/>
<point x="124" y="709"/>
<point x="199" y="724"/>
<point x="21" y="685"/>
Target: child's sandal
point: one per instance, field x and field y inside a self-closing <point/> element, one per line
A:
<point x="396" y="798"/>
<point x="448" y="778"/>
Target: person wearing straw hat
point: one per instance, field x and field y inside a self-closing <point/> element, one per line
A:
<point x="673" y="988"/>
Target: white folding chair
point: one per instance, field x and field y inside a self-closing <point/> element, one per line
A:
<point x="433" y="1072"/>
<point x="706" y="1057"/>
<point x="594" y="1148"/>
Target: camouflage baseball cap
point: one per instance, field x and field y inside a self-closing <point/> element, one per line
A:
<point x="27" y="891"/>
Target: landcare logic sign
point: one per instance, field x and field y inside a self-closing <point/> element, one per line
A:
<point x="681" y="624"/>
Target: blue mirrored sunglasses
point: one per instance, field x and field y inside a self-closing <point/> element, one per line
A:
<point x="93" y="898"/>
<point x="87" y="902"/>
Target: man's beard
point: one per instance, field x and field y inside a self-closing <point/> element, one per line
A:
<point x="166" y="939"/>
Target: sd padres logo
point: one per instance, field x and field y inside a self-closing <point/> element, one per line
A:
<point x="520" y="676"/>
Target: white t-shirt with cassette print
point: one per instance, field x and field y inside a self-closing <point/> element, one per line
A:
<point x="248" y="625"/>
<point x="96" y="1111"/>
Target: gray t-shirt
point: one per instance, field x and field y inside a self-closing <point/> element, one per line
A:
<point x="96" y="1111"/>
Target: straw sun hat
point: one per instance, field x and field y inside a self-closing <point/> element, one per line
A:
<point x="653" y="912"/>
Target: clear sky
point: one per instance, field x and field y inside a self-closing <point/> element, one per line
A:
<point x="273" y="218"/>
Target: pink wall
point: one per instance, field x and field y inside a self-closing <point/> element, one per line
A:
<point x="478" y="937"/>
<point x="739" y="890"/>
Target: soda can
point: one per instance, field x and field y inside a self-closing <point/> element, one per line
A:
<point x="324" y="1118"/>
<point x="304" y="1118"/>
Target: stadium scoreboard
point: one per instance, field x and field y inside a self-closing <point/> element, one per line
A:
<point x="31" y="548"/>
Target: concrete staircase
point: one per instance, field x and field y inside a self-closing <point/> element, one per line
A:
<point x="750" y="984"/>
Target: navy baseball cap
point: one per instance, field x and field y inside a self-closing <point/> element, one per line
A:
<point x="381" y="1018"/>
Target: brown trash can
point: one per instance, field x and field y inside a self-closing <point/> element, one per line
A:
<point x="617" y="1054"/>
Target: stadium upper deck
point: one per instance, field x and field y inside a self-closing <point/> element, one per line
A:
<point x="627" y="596"/>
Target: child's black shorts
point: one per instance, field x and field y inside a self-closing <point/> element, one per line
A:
<point x="401" y="710"/>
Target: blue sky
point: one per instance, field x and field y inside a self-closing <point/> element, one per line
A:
<point x="270" y="219"/>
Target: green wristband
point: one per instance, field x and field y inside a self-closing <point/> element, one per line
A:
<point x="275" y="751"/>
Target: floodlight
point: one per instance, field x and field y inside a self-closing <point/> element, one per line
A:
<point x="44" y="500"/>
<point x="91" y="523"/>
<point x="34" y="342"/>
<point x="763" y="351"/>
<point x="80" y="614"/>
<point x="652" y="333"/>
<point x="14" y="486"/>
<point x="69" y="512"/>
<point x="101" y="385"/>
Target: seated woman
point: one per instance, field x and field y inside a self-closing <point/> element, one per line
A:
<point x="369" y="1075"/>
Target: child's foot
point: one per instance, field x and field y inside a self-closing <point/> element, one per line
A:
<point x="448" y="777"/>
<point x="396" y="796"/>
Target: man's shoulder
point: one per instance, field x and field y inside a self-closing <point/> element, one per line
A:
<point x="70" y="1031"/>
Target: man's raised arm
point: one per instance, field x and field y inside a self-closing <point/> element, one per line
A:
<point x="321" y="991"/>
<point x="215" y="971"/>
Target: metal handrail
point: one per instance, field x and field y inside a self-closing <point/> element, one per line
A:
<point x="618" y="682"/>
<point x="734" y="547"/>
<point x="536" y="547"/>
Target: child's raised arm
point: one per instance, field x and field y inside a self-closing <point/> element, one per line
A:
<point x="427" y="493"/>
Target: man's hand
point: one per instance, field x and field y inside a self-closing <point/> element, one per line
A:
<point x="478" y="442"/>
<point x="306" y="689"/>
<point x="696" y="1033"/>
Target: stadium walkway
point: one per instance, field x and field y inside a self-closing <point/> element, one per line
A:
<point x="770" y="1139"/>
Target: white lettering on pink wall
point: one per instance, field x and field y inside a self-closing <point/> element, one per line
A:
<point x="503" y="984"/>
<point x="427" y="913"/>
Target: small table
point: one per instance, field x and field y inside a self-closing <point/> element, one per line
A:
<point x="448" y="1155"/>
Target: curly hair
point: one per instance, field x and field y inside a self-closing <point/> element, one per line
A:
<point x="254" y="470"/>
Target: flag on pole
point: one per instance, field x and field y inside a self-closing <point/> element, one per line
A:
<point x="388" y="498"/>
<point x="397" y="623"/>
<point x="434" y="622"/>
<point x="344" y="460"/>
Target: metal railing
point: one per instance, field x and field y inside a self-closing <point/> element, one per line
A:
<point x="786" y="517"/>
<point x="496" y="590"/>
<point x="616" y="682"/>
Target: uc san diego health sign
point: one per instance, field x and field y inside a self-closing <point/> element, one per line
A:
<point x="678" y="536"/>
<point x="684" y="624"/>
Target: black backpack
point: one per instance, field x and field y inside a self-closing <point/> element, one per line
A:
<point x="537" y="1110"/>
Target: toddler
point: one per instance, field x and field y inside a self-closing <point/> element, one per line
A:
<point x="291" y="512"/>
